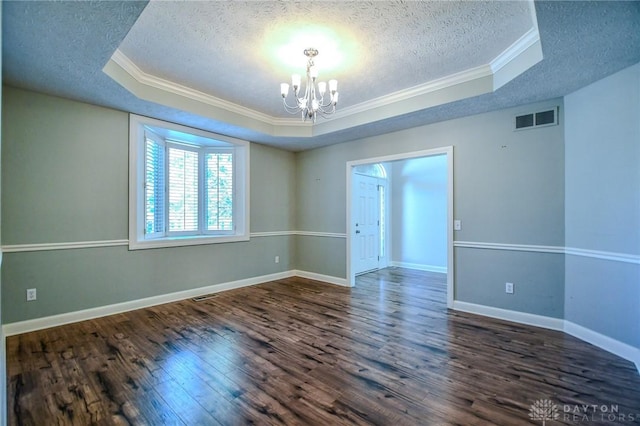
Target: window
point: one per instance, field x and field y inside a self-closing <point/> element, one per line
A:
<point x="374" y="169"/>
<point x="186" y="186"/>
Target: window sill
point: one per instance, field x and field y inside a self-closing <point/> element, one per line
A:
<point x="185" y="241"/>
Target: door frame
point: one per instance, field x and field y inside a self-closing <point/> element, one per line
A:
<point x="448" y="151"/>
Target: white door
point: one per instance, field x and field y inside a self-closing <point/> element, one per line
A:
<point x="366" y="223"/>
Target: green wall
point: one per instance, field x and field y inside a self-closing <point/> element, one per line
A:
<point x="65" y="174"/>
<point x="64" y="179"/>
<point x="603" y="205"/>
<point x="3" y="353"/>
<point x="508" y="188"/>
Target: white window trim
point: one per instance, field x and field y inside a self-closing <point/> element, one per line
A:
<point x="137" y="239"/>
<point x="148" y="134"/>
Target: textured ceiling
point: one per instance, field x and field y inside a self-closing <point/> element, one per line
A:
<point x="227" y="48"/>
<point x="60" y="48"/>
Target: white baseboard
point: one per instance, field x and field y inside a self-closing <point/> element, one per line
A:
<point x="419" y="267"/>
<point x="320" y="277"/>
<point x="20" y="327"/>
<point x="613" y="346"/>
<point x="616" y="347"/>
<point x="101" y="311"/>
<point x="508" y="315"/>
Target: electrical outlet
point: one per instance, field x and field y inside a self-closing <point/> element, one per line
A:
<point x="277" y="259"/>
<point x="31" y="294"/>
<point x="508" y="288"/>
<point x="457" y="225"/>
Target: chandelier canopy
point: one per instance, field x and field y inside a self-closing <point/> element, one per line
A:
<point x="313" y="100"/>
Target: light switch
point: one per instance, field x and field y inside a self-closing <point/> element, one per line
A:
<point x="457" y="225"/>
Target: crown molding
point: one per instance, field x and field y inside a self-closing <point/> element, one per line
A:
<point x="169" y="86"/>
<point x="520" y="46"/>
<point x="449" y="81"/>
<point x="513" y="61"/>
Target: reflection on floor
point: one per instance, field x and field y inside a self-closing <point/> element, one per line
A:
<point x="296" y="351"/>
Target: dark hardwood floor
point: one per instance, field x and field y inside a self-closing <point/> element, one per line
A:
<point x="297" y="351"/>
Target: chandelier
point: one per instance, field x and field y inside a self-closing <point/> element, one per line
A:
<point x="313" y="101"/>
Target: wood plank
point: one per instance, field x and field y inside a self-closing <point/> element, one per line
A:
<point x="297" y="351"/>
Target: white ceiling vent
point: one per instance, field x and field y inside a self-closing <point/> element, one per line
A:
<point x="536" y="119"/>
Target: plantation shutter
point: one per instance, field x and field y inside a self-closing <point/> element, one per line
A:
<point x="183" y="189"/>
<point x="219" y="190"/>
<point x="154" y="186"/>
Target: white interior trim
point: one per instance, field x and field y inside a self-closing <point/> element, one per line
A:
<point x="320" y="277"/>
<point x="151" y="80"/>
<point x="517" y="58"/>
<point x="20" y="327"/>
<point x="513" y="61"/>
<point x="272" y="234"/>
<point x="472" y="74"/>
<point x="139" y="127"/>
<point x="512" y="52"/>
<point x="604" y="255"/>
<point x="614" y="346"/>
<point x="101" y="311"/>
<point x="419" y="267"/>
<point x="594" y="254"/>
<point x="448" y="151"/>
<point x="16" y="248"/>
<point x="510" y="247"/>
<point x="509" y="315"/>
<point x="606" y="343"/>
<point x="322" y="234"/>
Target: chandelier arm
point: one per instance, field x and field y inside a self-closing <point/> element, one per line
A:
<point x="290" y="109"/>
<point x="327" y="113"/>
<point x="324" y="105"/>
<point x="309" y="105"/>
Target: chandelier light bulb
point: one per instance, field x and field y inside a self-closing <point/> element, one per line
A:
<point x="309" y="105"/>
<point x="284" y="89"/>
<point x="322" y="88"/>
<point x="333" y="86"/>
<point x="295" y="81"/>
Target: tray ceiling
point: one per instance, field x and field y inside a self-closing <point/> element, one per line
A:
<point x="230" y="57"/>
<point x="230" y="49"/>
<point x="217" y="65"/>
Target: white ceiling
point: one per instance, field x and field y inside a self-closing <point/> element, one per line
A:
<point x="206" y="64"/>
<point x="228" y="49"/>
<point x="226" y="59"/>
